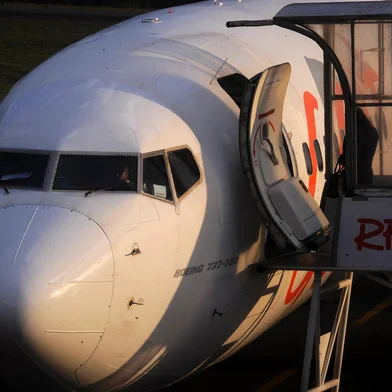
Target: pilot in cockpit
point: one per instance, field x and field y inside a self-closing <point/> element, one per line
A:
<point x="123" y="177"/>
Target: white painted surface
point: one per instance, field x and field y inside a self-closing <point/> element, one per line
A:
<point x="138" y="88"/>
<point x="364" y="234"/>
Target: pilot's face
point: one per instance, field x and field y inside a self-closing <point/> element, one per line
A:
<point x="125" y="174"/>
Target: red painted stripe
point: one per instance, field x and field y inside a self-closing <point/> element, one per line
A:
<point x="310" y="106"/>
<point x="263" y="115"/>
<point x="293" y="295"/>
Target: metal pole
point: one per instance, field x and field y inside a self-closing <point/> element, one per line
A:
<point x="336" y="325"/>
<point x="342" y="335"/>
<point x="315" y="303"/>
<point x="325" y="387"/>
<point x="329" y="164"/>
<point x="317" y="352"/>
<point x="381" y="90"/>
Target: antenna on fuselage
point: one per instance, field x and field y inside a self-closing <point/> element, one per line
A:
<point x="218" y="70"/>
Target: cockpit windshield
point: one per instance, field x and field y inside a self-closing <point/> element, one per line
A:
<point x="22" y="169"/>
<point x="97" y="172"/>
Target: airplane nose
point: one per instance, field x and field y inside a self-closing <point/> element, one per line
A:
<point x="55" y="286"/>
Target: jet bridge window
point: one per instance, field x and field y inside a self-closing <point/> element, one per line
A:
<point x="97" y="172"/>
<point x="184" y="170"/>
<point x="23" y="169"/>
<point x="155" y="178"/>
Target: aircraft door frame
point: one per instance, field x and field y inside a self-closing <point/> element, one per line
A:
<point x="289" y="211"/>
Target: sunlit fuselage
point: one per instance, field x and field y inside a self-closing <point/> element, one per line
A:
<point x="125" y="288"/>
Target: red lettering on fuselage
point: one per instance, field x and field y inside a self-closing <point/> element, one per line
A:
<point x="293" y="295"/>
<point x="311" y="105"/>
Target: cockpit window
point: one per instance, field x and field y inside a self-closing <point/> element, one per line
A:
<point x="184" y="170"/>
<point x="96" y="172"/>
<point x="155" y="179"/>
<point x="22" y="169"/>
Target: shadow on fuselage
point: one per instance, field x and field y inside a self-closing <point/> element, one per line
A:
<point x="207" y="309"/>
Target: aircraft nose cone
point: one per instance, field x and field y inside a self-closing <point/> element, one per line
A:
<point x="55" y="286"/>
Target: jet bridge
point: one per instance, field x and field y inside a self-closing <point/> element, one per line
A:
<point x="352" y="229"/>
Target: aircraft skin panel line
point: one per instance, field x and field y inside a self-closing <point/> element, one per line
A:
<point x="128" y="250"/>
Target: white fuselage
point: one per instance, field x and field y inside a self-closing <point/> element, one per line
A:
<point x="84" y="307"/>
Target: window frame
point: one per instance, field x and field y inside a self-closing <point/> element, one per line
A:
<point x="308" y="159"/>
<point x="182" y="147"/>
<point x="319" y="155"/>
<point x="56" y="161"/>
<point x="49" y="153"/>
<point x="169" y="176"/>
<point x="165" y="152"/>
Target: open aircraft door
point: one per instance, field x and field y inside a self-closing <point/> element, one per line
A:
<point x="355" y="38"/>
<point x="292" y="216"/>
